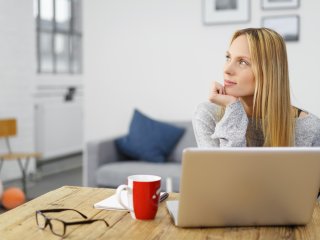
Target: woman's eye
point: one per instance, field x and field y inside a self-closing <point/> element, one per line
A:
<point x="227" y="58"/>
<point x="242" y="62"/>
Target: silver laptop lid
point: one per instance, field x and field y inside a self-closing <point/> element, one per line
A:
<point x="248" y="186"/>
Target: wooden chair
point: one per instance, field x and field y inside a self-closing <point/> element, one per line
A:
<point x="8" y="128"/>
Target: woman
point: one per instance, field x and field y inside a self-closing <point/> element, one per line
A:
<point x="253" y="107"/>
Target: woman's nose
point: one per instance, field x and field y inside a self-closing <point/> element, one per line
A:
<point x="229" y="68"/>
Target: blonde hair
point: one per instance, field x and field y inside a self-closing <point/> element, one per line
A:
<point x="271" y="102"/>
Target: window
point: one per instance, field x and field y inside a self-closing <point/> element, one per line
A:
<point x="59" y="36"/>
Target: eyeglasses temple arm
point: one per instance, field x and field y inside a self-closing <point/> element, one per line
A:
<point x="61" y="210"/>
<point x="87" y="222"/>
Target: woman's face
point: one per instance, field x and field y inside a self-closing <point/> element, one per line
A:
<point x="238" y="75"/>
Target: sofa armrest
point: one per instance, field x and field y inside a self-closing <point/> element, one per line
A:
<point x="97" y="153"/>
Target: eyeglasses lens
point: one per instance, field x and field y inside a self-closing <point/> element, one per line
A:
<point x="41" y="221"/>
<point x="57" y="227"/>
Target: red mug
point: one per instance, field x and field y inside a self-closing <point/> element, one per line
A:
<point x="143" y="196"/>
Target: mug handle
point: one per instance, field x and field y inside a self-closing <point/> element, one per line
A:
<point x="118" y="193"/>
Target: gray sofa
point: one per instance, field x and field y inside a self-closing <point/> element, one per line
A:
<point x="104" y="166"/>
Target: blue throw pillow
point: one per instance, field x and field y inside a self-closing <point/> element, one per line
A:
<point x="148" y="139"/>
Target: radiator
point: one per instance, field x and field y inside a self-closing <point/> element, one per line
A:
<point x="59" y="128"/>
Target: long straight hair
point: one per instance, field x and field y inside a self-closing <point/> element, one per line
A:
<point x="271" y="102"/>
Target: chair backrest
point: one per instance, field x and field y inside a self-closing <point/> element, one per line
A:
<point x="8" y="127"/>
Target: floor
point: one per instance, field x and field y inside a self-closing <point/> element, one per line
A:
<point x="52" y="175"/>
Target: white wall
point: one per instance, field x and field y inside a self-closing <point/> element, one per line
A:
<point x="159" y="57"/>
<point x="17" y="71"/>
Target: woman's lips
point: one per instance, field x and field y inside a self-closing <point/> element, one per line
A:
<point x="228" y="83"/>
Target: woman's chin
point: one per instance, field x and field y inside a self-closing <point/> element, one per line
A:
<point x="233" y="93"/>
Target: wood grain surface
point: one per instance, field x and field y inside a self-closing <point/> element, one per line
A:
<point x="20" y="223"/>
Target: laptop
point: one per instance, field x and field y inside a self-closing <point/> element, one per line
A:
<point x="247" y="187"/>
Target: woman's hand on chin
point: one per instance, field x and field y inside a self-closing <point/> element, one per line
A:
<point x="219" y="96"/>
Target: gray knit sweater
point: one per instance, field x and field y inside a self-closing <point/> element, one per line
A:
<point x="232" y="129"/>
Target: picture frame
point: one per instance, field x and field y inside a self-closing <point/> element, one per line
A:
<point x="279" y="4"/>
<point x="225" y="11"/>
<point x="287" y="26"/>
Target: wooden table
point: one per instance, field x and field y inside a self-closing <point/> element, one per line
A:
<point x="20" y="223"/>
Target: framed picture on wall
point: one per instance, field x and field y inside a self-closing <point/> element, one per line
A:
<point x="225" y="11"/>
<point x="287" y="26"/>
<point x="279" y="4"/>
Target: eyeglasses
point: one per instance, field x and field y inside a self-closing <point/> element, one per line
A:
<point x="57" y="226"/>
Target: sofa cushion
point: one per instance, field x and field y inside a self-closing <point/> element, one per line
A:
<point x="148" y="139"/>
<point x="116" y="173"/>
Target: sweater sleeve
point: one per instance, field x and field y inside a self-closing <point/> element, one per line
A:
<point x="316" y="139"/>
<point x="232" y="128"/>
<point x="204" y="124"/>
<point x="316" y="142"/>
<point x="307" y="132"/>
<point x="230" y="131"/>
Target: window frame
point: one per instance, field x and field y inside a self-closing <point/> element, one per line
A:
<point x="70" y="34"/>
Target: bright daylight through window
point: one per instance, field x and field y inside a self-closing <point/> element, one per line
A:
<point x="59" y="36"/>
